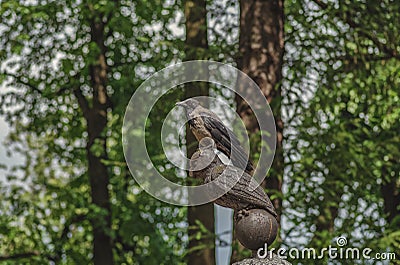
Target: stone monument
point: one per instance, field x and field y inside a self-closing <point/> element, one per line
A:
<point x="254" y="215"/>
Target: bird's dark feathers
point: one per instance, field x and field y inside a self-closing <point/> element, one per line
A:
<point x="227" y="142"/>
<point x="205" y="123"/>
<point x="191" y="122"/>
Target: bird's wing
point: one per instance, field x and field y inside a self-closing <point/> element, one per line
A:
<point x="227" y="139"/>
<point x="243" y="191"/>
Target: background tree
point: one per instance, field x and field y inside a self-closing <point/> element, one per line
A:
<point x="342" y="104"/>
<point x="68" y="68"/>
<point x="261" y="58"/>
<point x="200" y="218"/>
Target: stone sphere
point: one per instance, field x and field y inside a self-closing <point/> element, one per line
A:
<point x="256" y="228"/>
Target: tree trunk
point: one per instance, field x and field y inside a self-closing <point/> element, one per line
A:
<point x="391" y="197"/>
<point x="96" y="117"/>
<point x="261" y="47"/>
<point x="196" y="48"/>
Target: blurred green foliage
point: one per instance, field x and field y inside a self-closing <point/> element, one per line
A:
<point x="342" y="135"/>
<point x="46" y="52"/>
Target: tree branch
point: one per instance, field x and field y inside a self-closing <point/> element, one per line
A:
<point x="19" y="256"/>
<point x="26" y="255"/>
<point x="63" y="89"/>
<point x="60" y="243"/>
<point x="18" y="79"/>
<point x="75" y="219"/>
<point x="82" y="101"/>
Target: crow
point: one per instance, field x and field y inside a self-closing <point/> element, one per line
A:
<point x="205" y="123"/>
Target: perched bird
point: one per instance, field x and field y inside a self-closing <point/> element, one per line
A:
<point x="244" y="195"/>
<point x="205" y="123"/>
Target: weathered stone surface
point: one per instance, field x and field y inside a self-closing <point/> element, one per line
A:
<point x="255" y="228"/>
<point x="274" y="260"/>
<point x="240" y="191"/>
